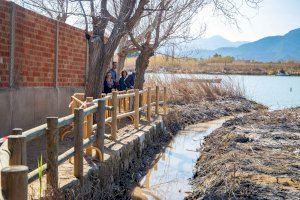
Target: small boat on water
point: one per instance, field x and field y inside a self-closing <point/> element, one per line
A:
<point x="282" y="73"/>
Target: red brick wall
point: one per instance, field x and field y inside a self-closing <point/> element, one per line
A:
<point x="35" y="50"/>
<point x="71" y="56"/>
<point x="4" y="43"/>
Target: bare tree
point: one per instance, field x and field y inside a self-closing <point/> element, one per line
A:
<point x="126" y="47"/>
<point x="171" y="20"/>
<point x="172" y="23"/>
<point x="110" y="24"/>
<point x="56" y="9"/>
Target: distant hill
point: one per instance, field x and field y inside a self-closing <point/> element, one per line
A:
<point x="211" y="43"/>
<point x="273" y="48"/>
<point x="205" y="44"/>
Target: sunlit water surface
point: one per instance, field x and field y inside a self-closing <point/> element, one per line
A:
<point x="276" y="92"/>
<point x="169" y="178"/>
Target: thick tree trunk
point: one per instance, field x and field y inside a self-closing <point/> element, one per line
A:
<point x="121" y="62"/>
<point x="141" y="64"/>
<point x="98" y="65"/>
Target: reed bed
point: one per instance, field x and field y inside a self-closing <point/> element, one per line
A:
<point x="195" y="101"/>
<point x="221" y="65"/>
<point x="182" y="91"/>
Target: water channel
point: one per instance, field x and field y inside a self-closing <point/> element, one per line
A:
<point x="169" y="178"/>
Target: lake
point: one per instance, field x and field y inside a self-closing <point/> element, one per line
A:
<point x="276" y="92"/>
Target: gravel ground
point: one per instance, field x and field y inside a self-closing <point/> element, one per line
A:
<point x="256" y="156"/>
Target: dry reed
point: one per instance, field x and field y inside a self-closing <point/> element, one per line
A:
<point x="215" y="66"/>
<point x="189" y="90"/>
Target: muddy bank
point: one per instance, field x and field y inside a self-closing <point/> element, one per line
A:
<point x="187" y="114"/>
<point x="252" y="157"/>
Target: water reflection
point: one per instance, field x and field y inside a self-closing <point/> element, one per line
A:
<point x="276" y="92"/>
<point x="168" y="179"/>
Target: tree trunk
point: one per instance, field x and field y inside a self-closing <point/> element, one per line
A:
<point x="121" y="61"/>
<point x="98" y="65"/>
<point x="141" y="64"/>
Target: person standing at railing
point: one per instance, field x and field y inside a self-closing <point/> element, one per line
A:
<point x="130" y="80"/>
<point x="109" y="83"/>
<point x="122" y="85"/>
<point x="113" y="71"/>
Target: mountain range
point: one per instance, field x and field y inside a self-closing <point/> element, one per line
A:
<point x="272" y="48"/>
<point x="211" y="43"/>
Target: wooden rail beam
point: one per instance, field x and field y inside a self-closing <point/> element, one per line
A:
<point x="52" y="135"/>
<point x="78" y="146"/>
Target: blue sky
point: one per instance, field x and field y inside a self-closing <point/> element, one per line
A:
<point x="274" y="17"/>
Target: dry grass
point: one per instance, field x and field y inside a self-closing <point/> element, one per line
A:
<point x="182" y="91"/>
<point x="193" y="102"/>
<point x="251" y="157"/>
<point x="219" y="66"/>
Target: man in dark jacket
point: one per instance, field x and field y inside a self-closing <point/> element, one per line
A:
<point x="130" y="80"/>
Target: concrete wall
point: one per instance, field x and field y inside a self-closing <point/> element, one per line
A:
<point x="29" y="106"/>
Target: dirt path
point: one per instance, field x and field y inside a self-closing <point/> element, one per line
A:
<point x="252" y="157"/>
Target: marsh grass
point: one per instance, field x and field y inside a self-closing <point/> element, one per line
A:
<point x="191" y="89"/>
<point x="216" y="66"/>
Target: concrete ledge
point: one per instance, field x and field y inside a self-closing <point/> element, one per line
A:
<point x="29" y="106"/>
<point x="117" y="158"/>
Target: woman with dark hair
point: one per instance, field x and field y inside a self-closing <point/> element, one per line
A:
<point x="109" y="83"/>
<point x="122" y="84"/>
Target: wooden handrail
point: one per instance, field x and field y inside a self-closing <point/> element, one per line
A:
<point x="124" y="104"/>
<point x="125" y="95"/>
<point x="35" y="132"/>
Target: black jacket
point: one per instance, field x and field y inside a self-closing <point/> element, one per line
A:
<point x="108" y="87"/>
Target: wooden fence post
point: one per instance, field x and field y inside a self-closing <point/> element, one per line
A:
<point x="14" y="182"/>
<point x="52" y="135"/>
<point x="17" y="148"/>
<point x="17" y="131"/>
<point x="78" y="146"/>
<point x="100" y="127"/>
<point x="156" y="99"/>
<point x="136" y="109"/>
<point x="89" y="100"/>
<point x="126" y="103"/>
<point x="149" y="104"/>
<point x="114" y="121"/>
<point x="130" y="103"/>
<point x="165" y="101"/>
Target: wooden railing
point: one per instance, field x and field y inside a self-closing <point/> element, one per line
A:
<point x="87" y="135"/>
